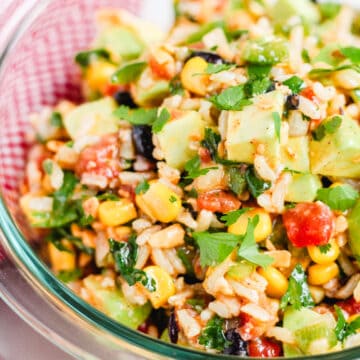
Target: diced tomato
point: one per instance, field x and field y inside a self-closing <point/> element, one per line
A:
<point x="309" y="224"/>
<point x="218" y="201"/>
<point x="111" y="89"/>
<point x="144" y="327"/>
<point x="205" y="155"/>
<point x="350" y="306"/>
<point x="264" y="348"/>
<point x="308" y="93"/>
<point x="248" y="329"/>
<point x="160" y="70"/>
<point x="101" y="158"/>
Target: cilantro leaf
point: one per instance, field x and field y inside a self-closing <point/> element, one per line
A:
<point x="137" y="116"/>
<point x="341" y="197"/>
<point x="257" y="86"/>
<point x="352" y="53"/>
<point x="56" y="119"/>
<point x="69" y="275"/>
<point x="258" y="71"/>
<point x="344" y="329"/>
<point x="175" y="86"/>
<point x="277" y="124"/>
<point x="161" y="120"/>
<point x="47" y="166"/>
<point x="232" y="98"/>
<point x="125" y="256"/>
<point x="305" y="56"/>
<point x="298" y="293"/>
<point x="213" y="337"/>
<point x="216" y="68"/>
<point x="84" y="58"/>
<point x="142" y="187"/>
<point x="236" y="182"/>
<point x="107" y="196"/>
<point x="324" y="248"/>
<point x="128" y="73"/>
<point x="197" y="304"/>
<point x="249" y="250"/>
<point x="172" y="199"/>
<point x="232" y="216"/>
<point x="295" y="84"/>
<point x="186" y="257"/>
<point x="256" y="185"/>
<point x="215" y="247"/>
<point x="193" y="168"/>
<point x="329" y="126"/>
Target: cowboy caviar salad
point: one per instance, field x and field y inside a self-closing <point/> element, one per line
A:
<point x="206" y="192"/>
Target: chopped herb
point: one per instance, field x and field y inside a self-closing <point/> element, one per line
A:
<point x="341" y="197"/>
<point x="344" y="329"/>
<point x="324" y="248"/>
<point x="175" y="86"/>
<point x="128" y="73"/>
<point x="215" y="247"/>
<point x="256" y="185"/>
<point x="295" y="84"/>
<point x="69" y="144"/>
<point x="56" y="119"/>
<point x="352" y="53"/>
<point x="257" y="87"/>
<point x="232" y="216"/>
<point x="249" y="250"/>
<point x="192" y="167"/>
<point x="277" y="124"/>
<point x="161" y="120"/>
<point x="298" y="293"/>
<point x="172" y="199"/>
<point x="258" y="71"/>
<point x="85" y="58"/>
<point x="192" y="193"/>
<point x="232" y="35"/>
<point x="292" y="171"/>
<point x="197" y="304"/>
<point x="107" y="196"/>
<point x="69" y="275"/>
<point x="305" y="56"/>
<point x="142" y="187"/>
<point x="136" y="116"/>
<point x="47" y="166"/>
<point x="203" y="30"/>
<point x="216" y="68"/>
<point x="125" y="256"/>
<point x="329" y="10"/>
<point x="213" y="337"/>
<point x="236" y="182"/>
<point x="184" y="255"/>
<point x="232" y="98"/>
<point x="327" y="127"/>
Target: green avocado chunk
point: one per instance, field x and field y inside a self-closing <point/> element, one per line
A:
<point x="337" y="154"/>
<point x="295" y="154"/>
<point x="283" y="10"/>
<point x="252" y="126"/>
<point x="151" y="96"/>
<point x="113" y="303"/>
<point x="303" y="188"/>
<point x="92" y="118"/>
<point x="176" y="135"/>
<point x="121" y="42"/>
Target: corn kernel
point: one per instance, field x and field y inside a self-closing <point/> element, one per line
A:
<point x="262" y="230"/>
<point x="159" y="202"/>
<point x="320" y="274"/>
<point x="324" y="258"/>
<point x="192" y="75"/>
<point x="98" y="74"/>
<point x="352" y="318"/>
<point x="164" y="286"/>
<point x="277" y="282"/>
<point x="317" y="293"/>
<point x="114" y="213"/>
<point x="62" y="260"/>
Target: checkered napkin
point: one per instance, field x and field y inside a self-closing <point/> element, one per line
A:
<point x="40" y="71"/>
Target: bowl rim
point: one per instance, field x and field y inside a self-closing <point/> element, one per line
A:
<point x="40" y="277"/>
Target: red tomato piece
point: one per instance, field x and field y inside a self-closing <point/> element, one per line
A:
<point x="218" y="201"/>
<point x="308" y="93"/>
<point x="205" y="155"/>
<point x="264" y="348"/>
<point x="350" y="306"/>
<point x="101" y="159"/>
<point x="309" y="224"/>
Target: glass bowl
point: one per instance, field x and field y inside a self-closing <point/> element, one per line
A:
<point x="38" y="40"/>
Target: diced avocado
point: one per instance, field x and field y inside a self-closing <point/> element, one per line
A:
<point x="326" y="55"/>
<point x="283" y="10"/>
<point x="337" y="154"/>
<point x="252" y="126"/>
<point x="303" y="188"/>
<point x="309" y="328"/>
<point x="165" y="336"/>
<point x="295" y="154"/>
<point x="151" y="96"/>
<point x="93" y="118"/>
<point x="241" y="270"/>
<point x="113" y="303"/>
<point x="176" y="136"/>
<point x="354" y="229"/>
<point x="120" y="42"/>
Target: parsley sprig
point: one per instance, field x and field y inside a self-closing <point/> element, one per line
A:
<point x="341" y="197"/>
<point x="232" y="98"/>
<point x="213" y="336"/>
<point x="344" y="329"/>
<point x="192" y="167"/>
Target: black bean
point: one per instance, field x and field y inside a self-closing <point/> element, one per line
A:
<point x="238" y="346"/>
<point x="124" y="98"/>
<point x="173" y="329"/>
<point x="142" y="137"/>
<point x="209" y="57"/>
<point x="292" y="102"/>
<point x="326" y="182"/>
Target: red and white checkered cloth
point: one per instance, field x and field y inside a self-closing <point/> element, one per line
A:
<point x="40" y="71"/>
